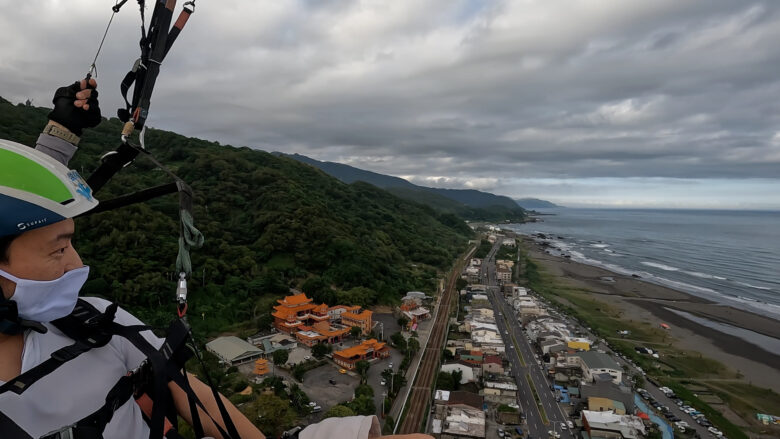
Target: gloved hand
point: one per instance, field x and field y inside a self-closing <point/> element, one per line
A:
<point x="76" y="106"/>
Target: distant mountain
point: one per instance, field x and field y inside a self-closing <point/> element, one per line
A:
<point x="466" y="203"/>
<point x="535" y="203"/>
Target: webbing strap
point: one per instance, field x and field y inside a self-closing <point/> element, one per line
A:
<point x="10" y="429"/>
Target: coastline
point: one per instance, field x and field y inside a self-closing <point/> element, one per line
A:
<point x="643" y="301"/>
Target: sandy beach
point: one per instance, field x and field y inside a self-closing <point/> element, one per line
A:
<point x="643" y="301"/>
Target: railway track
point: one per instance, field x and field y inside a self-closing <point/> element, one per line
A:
<point x="421" y="390"/>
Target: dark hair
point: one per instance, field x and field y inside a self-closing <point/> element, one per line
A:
<point x="5" y="243"/>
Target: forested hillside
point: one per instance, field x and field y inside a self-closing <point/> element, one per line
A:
<point x="468" y="204"/>
<point x="270" y="223"/>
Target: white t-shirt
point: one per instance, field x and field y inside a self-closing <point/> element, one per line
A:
<point x="79" y="387"/>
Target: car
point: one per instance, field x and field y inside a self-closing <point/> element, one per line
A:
<point x="500" y="433"/>
<point x="391" y="365"/>
<point x="307" y="358"/>
<point x="312" y="404"/>
<point x="715" y="431"/>
<point x="563" y="426"/>
<point x="554" y="434"/>
<point x="570" y="424"/>
<point x="332" y="381"/>
<point x="382" y="383"/>
<point x="674" y="418"/>
<point x="316" y="409"/>
<point x="342" y="370"/>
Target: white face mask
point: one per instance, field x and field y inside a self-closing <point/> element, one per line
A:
<point x="44" y="301"/>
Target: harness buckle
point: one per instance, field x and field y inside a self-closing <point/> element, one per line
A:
<point x="67" y="432"/>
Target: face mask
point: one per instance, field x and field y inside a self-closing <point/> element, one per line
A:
<point x="44" y="301"/>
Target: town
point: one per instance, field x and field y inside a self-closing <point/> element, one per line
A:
<point x="481" y="357"/>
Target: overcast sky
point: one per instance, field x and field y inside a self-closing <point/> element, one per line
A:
<point x="585" y="103"/>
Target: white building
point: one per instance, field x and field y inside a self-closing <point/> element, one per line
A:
<point x="608" y="424"/>
<point x="594" y="363"/>
<point x="233" y="351"/>
<point x="463" y="421"/>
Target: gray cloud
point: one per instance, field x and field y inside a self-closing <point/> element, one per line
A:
<point x="484" y="94"/>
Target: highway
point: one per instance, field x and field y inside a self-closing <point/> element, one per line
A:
<point x="510" y="328"/>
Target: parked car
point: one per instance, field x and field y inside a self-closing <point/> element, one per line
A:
<point x="316" y="409"/>
<point x="382" y="383"/>
<point x="715" y="431"/>
<point x="332" y="381"/>
<point x="570" y="424"/>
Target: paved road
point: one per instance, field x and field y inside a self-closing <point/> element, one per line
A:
<point x="525" y="399"/>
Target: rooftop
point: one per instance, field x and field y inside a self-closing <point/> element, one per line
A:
<point x="232" y="348"/>
<point x="361" y="349"/>
<point x="598" y="360"/>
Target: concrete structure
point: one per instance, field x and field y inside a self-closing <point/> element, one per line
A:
<point x="579" y="344"/>
<point x="335" y="312"/>
<point x="362" y="320"/>
<point x="611" y="425"/>
<point x="321" y="332"/>
<point x="463" y="421"/>
<point x="492" y="364"/>
<point x="593" y="363"/>
<point x="368" y="350"/>
<point x="598" y="404"/>
<point x="233" y="351"/>
<point x="467" y="372"/>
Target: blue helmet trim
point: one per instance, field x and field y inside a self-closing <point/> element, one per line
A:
<point x="26" y="216"/>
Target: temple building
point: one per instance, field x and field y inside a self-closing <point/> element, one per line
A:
<point x="367" y="350"/>
<point x="362" y="320"/>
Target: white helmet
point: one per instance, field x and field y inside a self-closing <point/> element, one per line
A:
<point x="36" y="190"/>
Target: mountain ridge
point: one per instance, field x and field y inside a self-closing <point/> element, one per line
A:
<point x="471" y="203"/>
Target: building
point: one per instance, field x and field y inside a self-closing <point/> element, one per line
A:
<point x="367" y="350"/>
<point x="504" y="274"/>
<point x="467" y="371"/>
<point x="582" y="344"/>
<point x="461" y="421"/>
<point x="598" y="404"/>
<point x="362" y="320"/>
<point x="233" y="351"/>
<point x="321" y="332"/>
<point x="492" y="364"/>
<point x="274" y="342"/>
<point x="593" y="363"/>
<point x="296" y="311"/>
<point x="611" y="425"/>
<point x="335" y="312"/>
<point x="261" y="366"/>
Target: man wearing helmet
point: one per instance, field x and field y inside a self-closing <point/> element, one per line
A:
<point x="40" y="278"/>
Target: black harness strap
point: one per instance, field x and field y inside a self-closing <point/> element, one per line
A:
<point x="10" y="429"/>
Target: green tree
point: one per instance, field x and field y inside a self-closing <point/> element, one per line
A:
<point x="363" y="405"/>
<point x="403" y="321"/>
<point x="271" y="414"/>
<point x="444" y="381"/>
<point x="457" y="375"/>
<point x="398" y="341"/>
<point x="355" y="331"/>
<point x="362" y="369"/>
<point x="299" y="400"/>
<point x="320" y="350"/>
<point x="447" y="355"/>
<point x="298" y="371"/>
<point x="339" y="411"/>
<point x="412" y="346"/>
<point x="364" y="389"/>
<point x="280" y="357"/>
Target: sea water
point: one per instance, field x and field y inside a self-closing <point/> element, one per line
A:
<point x="730" y="257"/>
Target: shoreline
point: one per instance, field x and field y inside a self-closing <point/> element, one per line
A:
<point x="640" y="300"/>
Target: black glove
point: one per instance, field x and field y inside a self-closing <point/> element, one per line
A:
<point x="72" y="117"/>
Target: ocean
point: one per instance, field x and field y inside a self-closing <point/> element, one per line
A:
<point x="729" y="257"/>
